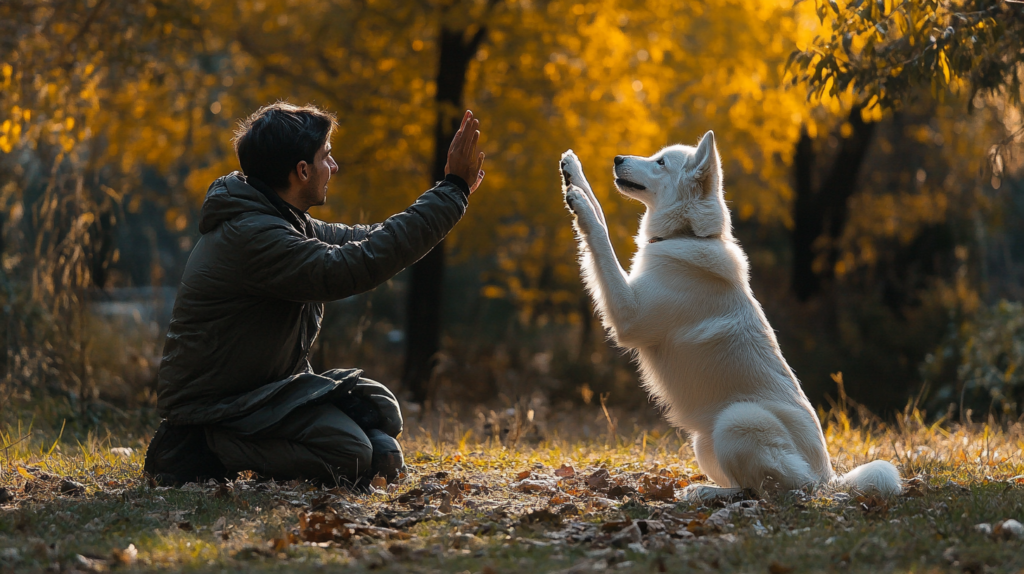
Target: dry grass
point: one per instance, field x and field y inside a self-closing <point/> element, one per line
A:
<point x="462" y="507"/>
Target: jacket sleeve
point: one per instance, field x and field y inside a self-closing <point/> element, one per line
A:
<point x="339" y="233"/>
<point x="279" y="262"/>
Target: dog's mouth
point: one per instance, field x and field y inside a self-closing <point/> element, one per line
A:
<point x="625" y="183"/>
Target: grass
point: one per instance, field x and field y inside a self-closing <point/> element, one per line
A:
<point x="463" y="508"/>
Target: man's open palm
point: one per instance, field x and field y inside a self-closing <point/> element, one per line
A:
<point x="463" y="158"/>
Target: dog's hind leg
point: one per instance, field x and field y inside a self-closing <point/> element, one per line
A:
<point x="755" y="450"/>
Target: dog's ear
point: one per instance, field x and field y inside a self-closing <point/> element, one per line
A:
<point x="709" y="165"/>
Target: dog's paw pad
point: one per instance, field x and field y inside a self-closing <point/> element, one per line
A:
<point x="573" y="199"/>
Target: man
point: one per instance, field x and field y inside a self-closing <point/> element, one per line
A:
<point x="235" y="388"/>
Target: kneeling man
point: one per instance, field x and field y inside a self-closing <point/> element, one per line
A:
<point x="235" y="387"/>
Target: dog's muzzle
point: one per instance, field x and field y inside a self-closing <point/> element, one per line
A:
<point x="625" y="183"/>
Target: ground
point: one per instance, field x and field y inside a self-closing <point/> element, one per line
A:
<point x="557" y="503"/>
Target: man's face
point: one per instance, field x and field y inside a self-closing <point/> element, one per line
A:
<point x="321" y="170"/>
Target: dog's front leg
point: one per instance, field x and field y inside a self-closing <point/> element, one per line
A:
<point x="572" y="174"/>
<point x="604" y="277"/>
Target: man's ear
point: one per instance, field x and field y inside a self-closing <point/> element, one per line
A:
<point x="302" y="171"/>
<point x="709" y="165"/>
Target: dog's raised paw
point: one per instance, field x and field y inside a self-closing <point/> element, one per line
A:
<point x="573" y="198"/>
<point x="570" y="167"/>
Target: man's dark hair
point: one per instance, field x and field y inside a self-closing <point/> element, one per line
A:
<point x="270" y="142"/>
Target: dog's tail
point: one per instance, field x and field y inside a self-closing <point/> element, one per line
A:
<point x="878" y="476"/>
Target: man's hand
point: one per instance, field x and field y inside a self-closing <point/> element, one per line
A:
<point x="463" y="159"/>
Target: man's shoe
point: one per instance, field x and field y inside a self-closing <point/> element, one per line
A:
<point x="388" y="459"/>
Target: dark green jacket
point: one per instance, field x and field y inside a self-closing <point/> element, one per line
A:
<point x="251" y="299"/>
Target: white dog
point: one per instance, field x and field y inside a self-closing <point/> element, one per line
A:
<point x="705" y="348"/>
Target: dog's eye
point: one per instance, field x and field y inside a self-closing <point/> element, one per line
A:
<point x="661" y="161"/>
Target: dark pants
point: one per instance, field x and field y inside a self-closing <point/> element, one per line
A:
<point x="346" y="441"/>
<point x="316" y="442"/>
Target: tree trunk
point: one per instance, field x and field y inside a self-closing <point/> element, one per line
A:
<point x="426" y="282"/>
<point x="823" y="211"/>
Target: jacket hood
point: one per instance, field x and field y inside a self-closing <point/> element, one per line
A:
<point x="229" y="197"/>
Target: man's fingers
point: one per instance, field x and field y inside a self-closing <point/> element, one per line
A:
<point x="479" y="178"/>
<point x="480" y="162"/>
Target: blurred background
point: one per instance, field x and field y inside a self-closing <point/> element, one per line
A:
<point x="871" y="156"/>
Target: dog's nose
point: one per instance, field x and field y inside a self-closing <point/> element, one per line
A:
<point x="619" y="159"/>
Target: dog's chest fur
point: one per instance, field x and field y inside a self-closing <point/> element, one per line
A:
<point x="717" y="346"/>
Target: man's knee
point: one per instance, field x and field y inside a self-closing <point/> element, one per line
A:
<point x="373" y="406"/>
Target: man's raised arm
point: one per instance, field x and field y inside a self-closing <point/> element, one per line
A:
<point x="345" y="261"/>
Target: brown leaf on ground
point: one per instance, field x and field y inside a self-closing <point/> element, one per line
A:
<point x="777" y="568"/>
<point x="873" y="505"/>
<point x="322" y="527"/>
<point x="446" y="503"/>
<point x="456" y="489"/>
<point x="280" y="544"/>
<point x="621" y="490"/>
<point x="615" y="526"/>
<point x="379" y="482"/>
<point x="566" y="471"/>
<point x="698" y="478"/>
<point x="696" y="527"/>
<point x="599" y="480"/>
<point x="658" y="488"/>
<point x="542" y="516"/>
<point x="524" y="474"/>
<point x="558" y="499"/>
<point x="528" y="485"/>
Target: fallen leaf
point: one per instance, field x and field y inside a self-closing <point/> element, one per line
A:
<point x="599" y="480"/>
<point x="558" y="499"/>
<point x="322" y="527"/>
<point x="543" y="516"/>
<point x="523" y="475"/>
<point x="446" y="504"/>
<point x="282" y="543"/>
<point x="615" y="526"/>
<point x="658" y="488"/>
<point x="25" y="473"/>
<point x="566" y="471"/>
<point x="873" y="505"/>
<point x="699" y="478"/>
<point x="379" y="482"/>
<point x="529" y="485"/>
<point x="776" y="568"/>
